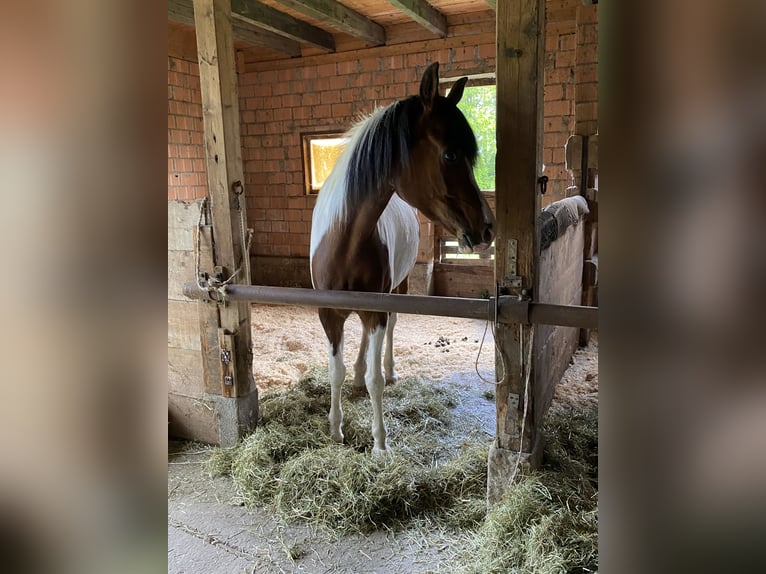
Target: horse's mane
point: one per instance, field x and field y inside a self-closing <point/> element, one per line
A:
<point x="380" y="145"/>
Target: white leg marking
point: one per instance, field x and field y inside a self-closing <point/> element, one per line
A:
<point x="337" y="372"/>
<point x="388" y="361"/>
<point x="361" y="365"/>
<point x="375" y="384"/>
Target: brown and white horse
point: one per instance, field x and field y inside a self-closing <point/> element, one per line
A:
<point x="417" y="153"/>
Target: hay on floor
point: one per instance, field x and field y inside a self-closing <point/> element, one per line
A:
<point x="547" y="523"/>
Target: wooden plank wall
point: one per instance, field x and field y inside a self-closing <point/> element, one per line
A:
<point x="191" y="412"/>
<point x="560" y="282"/>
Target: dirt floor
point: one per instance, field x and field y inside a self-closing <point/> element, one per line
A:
<point x="209" y="531"/>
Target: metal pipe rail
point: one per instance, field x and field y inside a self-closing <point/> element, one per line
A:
<point x="509" y="309"/>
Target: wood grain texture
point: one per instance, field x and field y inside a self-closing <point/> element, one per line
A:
<point x="424" y="14"/>
<point x="519" y="159"/>
<point x="182" y="11"/>
<point x="340" y="18"/>
<point x="223" y="159"/>
<point x="262" y="16"/>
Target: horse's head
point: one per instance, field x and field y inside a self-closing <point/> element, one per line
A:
<point x="439" y="178"/>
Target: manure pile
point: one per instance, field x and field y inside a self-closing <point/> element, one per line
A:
<point x="438" y="474"/>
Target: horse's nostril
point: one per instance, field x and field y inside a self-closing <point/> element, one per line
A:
<point x="489" y="233"/>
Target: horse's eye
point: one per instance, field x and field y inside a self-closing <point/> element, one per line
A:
<point x="450" y="156"/>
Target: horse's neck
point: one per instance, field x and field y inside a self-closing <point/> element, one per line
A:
<point x="362" y="223"/>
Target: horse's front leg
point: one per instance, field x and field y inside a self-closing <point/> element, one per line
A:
<point x="375" y="383"/>
<point x="388" y="361"/>
<point x="337" y="372"/>
<point x="360" y="367"/>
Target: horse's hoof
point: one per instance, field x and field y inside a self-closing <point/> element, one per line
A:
<point x="358" y="392"/>
<point x="382" y="452"/>
<point x="392" y="380"/>
<point x="337" y="437"/>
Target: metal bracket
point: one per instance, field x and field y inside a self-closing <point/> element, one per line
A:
<point x="512" y="279"/>
<point x="227" y="345"/>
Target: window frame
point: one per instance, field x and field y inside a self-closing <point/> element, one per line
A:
<point x="306" y="139"/>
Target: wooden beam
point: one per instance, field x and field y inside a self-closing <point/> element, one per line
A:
<point x="338" y="17"/>
<point x="519" y="67"/>
<point x="424" y="14"/>
<point x="267" y="18"/>
<point x="223" y="162"/>
<point x="182" y="11"/>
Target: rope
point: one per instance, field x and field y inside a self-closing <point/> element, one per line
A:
<point x="212" y="284"/>
<point x="528" y="363"/>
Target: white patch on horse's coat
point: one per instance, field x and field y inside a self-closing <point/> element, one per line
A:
<point x="398" y="226"/>
<point x="388" y="360"/>
<point x="375" y="383"/>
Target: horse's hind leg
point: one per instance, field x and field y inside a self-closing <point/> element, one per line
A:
<point x="375" y="324"/>
<point x="388" y="362"/>
<point x="360" y="367"/>
<point x="332" y="322"/>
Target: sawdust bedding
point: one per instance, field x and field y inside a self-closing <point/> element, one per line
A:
<point x="288" y="341"/>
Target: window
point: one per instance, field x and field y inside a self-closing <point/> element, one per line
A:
<point x="449" y="254"/>
<point x="478" y="105"/>
<point x="320" y="152"/>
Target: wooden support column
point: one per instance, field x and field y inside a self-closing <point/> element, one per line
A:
<point x="226" y="339"/>
<point x="520" y="52"/>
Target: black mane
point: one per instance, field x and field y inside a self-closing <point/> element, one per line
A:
<point x="384" y="145"/>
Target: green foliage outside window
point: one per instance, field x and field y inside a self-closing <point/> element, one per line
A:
<point x="478" y="106"/>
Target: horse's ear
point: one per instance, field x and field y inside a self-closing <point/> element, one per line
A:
<point x="457" y="90"/>
<point x="429" y="85"/>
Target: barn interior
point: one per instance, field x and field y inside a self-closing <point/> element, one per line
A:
<point x="259" y="93"/>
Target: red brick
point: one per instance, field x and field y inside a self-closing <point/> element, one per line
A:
<point x="414" y="60"/>
<point x="327" y="70"/>
<point x="350" y="67"/>
<point x="321" y="112"/>
<point x="587" y="34"/>
<point x="487" y="51"/>
<point x="565" y="58"/>
<point x="553" y="92"/>
<point x="587" y="112"/>
<point x="587" y="73"/>
<point x="557" y="108"/>
<point x="340" y="110"/>
<point x="586" y="93"/>
<point x="587" y="14"/>
<point x="369" y="65"/>
<point x="587" y="54"/>
<point x="330" y="97"/>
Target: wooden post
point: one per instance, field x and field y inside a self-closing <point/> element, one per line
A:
<point x="226" y="338"/>
<point x="520" y="52"/>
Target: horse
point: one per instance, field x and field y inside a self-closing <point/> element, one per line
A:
<point x="417" y="153"/>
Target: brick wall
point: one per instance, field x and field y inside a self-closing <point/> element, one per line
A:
<point x="278" y="105"/>
<point x="586" y="74"/>
<point x="280" y="100"/>
<point x="558" y="93"/>
<point x="187" y="179"/>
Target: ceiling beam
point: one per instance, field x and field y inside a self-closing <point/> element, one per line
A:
<point x="338" y="17"/>
<point x="267" y="18"/>
<point x="424" y="14"/>
<point x="182" y="11"/>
